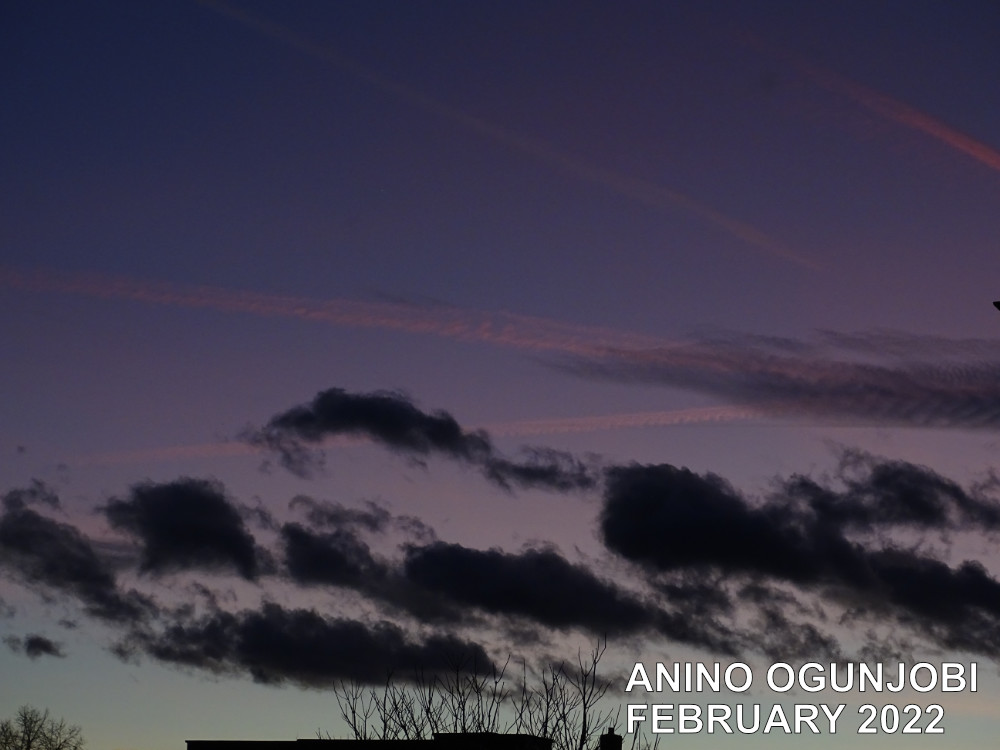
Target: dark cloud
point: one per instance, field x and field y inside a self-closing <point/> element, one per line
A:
<point x="37" y="493"/>
<point x="59" y="557"/>
<point x="372" y="518"/>
<point x="338" y="558"/>
<point x="674" y="519"/>
<point x="34" y="646"/>
<point x="544" y="589"/>
<point x="415" y="529"/>
<point x="389" y="418"/>
<point x="541" y="467"/>
<point x="187" y="523"/>
<point x="322" y="513"/>
<point x="781" y="638"/>
<point x="440" y="582"/>
<point x="448" y="583"/>
<point x="870" y="378"/>
<point x="878" y="493"/>
<point x="538" y="584"/>
<point x="396" y="422"/>
<point x="258" y="516"/>
<point x="275" y="645"/>
<point x="863" y="554"/>
<point x="826" y="539"/>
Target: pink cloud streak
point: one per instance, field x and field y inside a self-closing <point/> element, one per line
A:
<point x="886" y="106"/>
<point x="642" y="191"/>
<point x="499" y="328"/>
<point x="519" y="428"/>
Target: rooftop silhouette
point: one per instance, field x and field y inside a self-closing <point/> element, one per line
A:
<point x="440" y="741"/>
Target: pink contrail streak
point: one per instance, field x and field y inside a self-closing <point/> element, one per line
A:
<point x="907" y="116"/>
<point x="499" y="328"/>
<point x="642" y="191"/>
<point x="885" y="106"/>
<point x="520" y="428"/>
<point x="702" y="415"/>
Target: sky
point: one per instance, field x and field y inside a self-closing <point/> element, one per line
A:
<point x="341" y="338"/>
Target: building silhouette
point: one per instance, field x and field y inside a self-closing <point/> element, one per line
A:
<point x="440" y="741"/>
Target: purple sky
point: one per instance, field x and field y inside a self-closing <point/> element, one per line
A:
<point x="630" y="301"/>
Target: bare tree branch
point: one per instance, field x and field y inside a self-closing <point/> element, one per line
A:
<point x="562" y="704"/>
<point x="32" y="729"/>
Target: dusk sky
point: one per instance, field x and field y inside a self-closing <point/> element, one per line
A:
<point x="340" y="337"/>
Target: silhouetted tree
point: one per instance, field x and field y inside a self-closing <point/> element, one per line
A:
<point x="561" y="703"/>
<point x="32" y="729"/>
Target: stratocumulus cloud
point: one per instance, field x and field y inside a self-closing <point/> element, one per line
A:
<point x="448" y="583"/>
<point x="854" y="545"/>
<point x="537" y="583"/>
<point x="338" y="557"/>
<point x="865" y="555"/>
<point x="274" y="645"/>
<point x="61" y="559"/>
<point x="865" y="378"/>
<point x="187" y="523"/>
<point x="34" y="646"/>
<point x="393" y="420"/>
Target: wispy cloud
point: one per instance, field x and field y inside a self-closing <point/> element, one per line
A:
<point x="627" y="420"/>
<point x="498" y="328"/>
<point x="195" y="451"/>
<point x="885" y="106"/>
<point x="517" y="428"/>
<point x="642" y="191"/>
<point x="504" y="329"/>
<point x="865" y="379"/>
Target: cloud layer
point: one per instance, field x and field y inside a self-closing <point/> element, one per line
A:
<point x="840" y="544"/>
<point x="866" y="555"/>
<point x="274" y="645"/>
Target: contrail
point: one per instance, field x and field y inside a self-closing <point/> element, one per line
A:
<point x="162" y="454"/>
<point x="519" y="428"/>
<point x="907" y="116"/>
<point x="642" y="191"/>
<point x="498" y="328"/>
<point x="885" y="106"/>
<point x="702" y="415"/>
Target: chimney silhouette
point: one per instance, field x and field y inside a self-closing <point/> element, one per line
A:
<point x="611" y="741"/>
